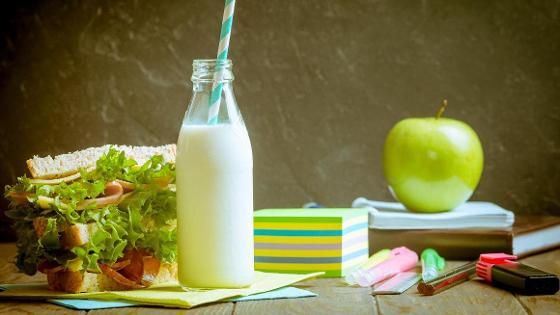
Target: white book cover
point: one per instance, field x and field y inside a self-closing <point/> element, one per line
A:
<point x="472" y="214"/>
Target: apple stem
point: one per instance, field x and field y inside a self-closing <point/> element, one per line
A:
<point x="441" y="109"/>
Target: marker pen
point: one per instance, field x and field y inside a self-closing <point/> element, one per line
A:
<point x="401" y="259"/>
<point x="501" y="270"/>
<point x="432" y="263"/>
<point x="448" y="279"/>
<point x="374" y="260"/>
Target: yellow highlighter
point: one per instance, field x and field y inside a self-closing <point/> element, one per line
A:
<point x="375" y="259"/>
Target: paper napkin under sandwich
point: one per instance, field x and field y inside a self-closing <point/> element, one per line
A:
<point x="168" y="295"/>
<point x="76" y="304"/>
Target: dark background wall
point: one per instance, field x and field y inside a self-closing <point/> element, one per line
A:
<point x="320" y="83"/>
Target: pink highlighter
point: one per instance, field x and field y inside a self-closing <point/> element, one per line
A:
<point x="401" y="259"/>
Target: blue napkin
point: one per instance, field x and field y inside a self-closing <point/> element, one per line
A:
<point x="282" y="293"/>
<point x="89" y="304"/>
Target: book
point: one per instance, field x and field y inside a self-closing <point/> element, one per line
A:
<point x="473" y="214"/>
<point x="309" y="240"/>
<point x="536" y="233"/>
<point x="529" y="235"/>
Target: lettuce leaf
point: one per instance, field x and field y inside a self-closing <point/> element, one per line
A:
<point x="30" y="253"/>
<point x="49" y="239"/>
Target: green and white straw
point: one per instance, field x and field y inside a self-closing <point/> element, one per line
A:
<point x="214" y="103"/>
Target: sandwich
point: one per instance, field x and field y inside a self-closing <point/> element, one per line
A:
<point x="98" y="219"/>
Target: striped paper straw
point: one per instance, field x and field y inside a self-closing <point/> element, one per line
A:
<point x="214" y="103"/>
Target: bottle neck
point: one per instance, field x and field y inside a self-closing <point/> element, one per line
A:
<point x="205" y="73"/>
<point x="200" y="86"/>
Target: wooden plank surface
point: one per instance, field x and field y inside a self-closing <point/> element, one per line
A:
<point x="473" y="297"/>
<point x="35" y="308"/>
<point x="334" y="297"/>
<point x="218" y="309"/>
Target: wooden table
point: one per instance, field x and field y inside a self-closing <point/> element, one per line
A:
<point x="473" y="297"/>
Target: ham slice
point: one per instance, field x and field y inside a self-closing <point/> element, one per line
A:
<point x="127" y="186"/>
<point x="162" y="182"/>
<point x="113" y="192"/>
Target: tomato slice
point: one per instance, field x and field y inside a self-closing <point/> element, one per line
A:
<point x="119" y="278"/>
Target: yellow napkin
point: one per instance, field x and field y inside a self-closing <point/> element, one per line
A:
<point x="170" y="295"/>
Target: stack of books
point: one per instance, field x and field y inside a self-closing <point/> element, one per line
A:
<point x="462" y="233"/>
<point x="309" y="240"/>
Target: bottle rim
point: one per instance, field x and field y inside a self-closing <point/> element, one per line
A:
<point x="204" y="70"/>
<point x="212" y="62"/>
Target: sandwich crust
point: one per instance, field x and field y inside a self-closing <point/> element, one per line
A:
<point x="67" y="164"/>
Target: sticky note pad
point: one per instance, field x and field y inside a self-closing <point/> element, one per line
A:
<point x="310" y="240"/>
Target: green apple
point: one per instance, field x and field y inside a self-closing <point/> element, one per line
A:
<point x="432" y="164"/>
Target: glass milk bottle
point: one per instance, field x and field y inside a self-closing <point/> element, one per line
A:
<point x="214" y="188"/>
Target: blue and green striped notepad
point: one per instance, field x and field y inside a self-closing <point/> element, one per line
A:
<point x="309" y="240"/>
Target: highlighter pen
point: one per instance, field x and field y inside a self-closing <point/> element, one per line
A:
<point x="432" y="263"/>
<point x="448" y="279"/>
<point x="401" y="259"/>
<point x="501" y="270"/>
<point x="374" y="260"/>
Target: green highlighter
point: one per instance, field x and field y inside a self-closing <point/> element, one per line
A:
<point x="432" y="263"/>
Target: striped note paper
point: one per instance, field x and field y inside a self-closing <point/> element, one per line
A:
<point x="310" y="240"/>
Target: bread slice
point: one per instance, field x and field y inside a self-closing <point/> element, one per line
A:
<point x="70" y="163"/>
<point x="76" y="282"/>
<point x="77" y="234"/>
